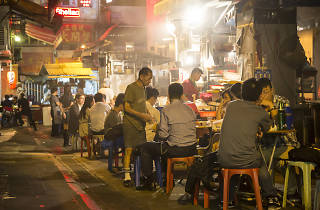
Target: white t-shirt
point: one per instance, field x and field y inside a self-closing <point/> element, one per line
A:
<point x="108" y="92"/>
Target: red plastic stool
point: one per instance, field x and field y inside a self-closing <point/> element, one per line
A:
<point x="252" y="172"/>
<point x="206" y="194"/>
<point x="170" y="162"/>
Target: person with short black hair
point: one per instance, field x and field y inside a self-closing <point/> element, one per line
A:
<point x="24" y="109"/>
<point x="98" y="113"/>
<point x="114" y="117"/>
<point x="235" y="91"/>
<point x="177" y="129"/>
<point x="67" y="101"/>
<point x="190" y="88"/>
<point x="113" y="129"/>
<point x="152" y="95"/>
<point x="268" y="141"/>
<point x="73" y="126"/>
<point x="135" y="117"/>
<point x="243" y="121"/>
<point x="6" y="102"/>
<point x="56" y="112"/>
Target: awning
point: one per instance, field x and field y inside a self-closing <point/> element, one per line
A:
<point x="44" y="34"/>
<point x="100" y="42"/>
<point x="66" y="70"/>
<point x="35" y="12"/>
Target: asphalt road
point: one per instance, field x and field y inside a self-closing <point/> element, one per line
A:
<point x="36" y="172"/>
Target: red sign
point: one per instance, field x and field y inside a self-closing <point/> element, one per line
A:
<point x="81" y="33"/>
<point x="85" y="3"/>
<point x="68" y="12"/>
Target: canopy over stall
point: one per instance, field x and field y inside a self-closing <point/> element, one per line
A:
<point x="66" y="70"/>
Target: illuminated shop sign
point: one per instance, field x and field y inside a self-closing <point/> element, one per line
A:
<point x="85" y="3"/>
<point x="68" y="12"/>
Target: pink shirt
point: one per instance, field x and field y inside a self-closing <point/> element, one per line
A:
<point x="189" y="89"/>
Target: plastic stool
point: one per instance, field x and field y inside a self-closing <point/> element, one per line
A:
<point x="93" y="145"/>
<point x="316" y="201"/>
<point x="306" y="168"/>
<point x="252" y="172"/>
<point x="170" y="162"/>
<point x="137" y="170"/>
<point x="205" y="195"/>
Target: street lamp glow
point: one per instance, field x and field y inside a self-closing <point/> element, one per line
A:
<point x="195" y="16"/>
<point x="171" y="28"/>
<point x="17" y="38"/>
<point x="83" y="46"/>
<point x="189" y="60"/>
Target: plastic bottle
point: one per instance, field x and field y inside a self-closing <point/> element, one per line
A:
<point x="282" y="117"/>
<point x="289" y="116"/>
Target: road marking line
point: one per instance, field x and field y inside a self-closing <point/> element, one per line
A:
<point x="75" y="186"/>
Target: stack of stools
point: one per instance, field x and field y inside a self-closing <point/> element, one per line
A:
<point x="170" y="163"/>
<point x="306" y="168"/>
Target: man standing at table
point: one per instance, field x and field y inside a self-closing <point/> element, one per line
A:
<point x="238" y="146"/>
<point x="135" y="117"/>
<point x="190" y="89"/>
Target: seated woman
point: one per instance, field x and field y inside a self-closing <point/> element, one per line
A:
<point x="268" y="140"/>
<point x="230" y="94"/>
<point x="152" y="95"/>
<point x="113" y="129"/>
<point x="84" y="121"/>
<point x="225" y="99"/>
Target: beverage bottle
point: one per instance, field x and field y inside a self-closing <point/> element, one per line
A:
<point x="289" y="116"/>
<point x="282" y="117"/>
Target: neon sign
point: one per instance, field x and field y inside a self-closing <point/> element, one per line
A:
<point x="85" y="3"/>
<point x="68" y="12"/>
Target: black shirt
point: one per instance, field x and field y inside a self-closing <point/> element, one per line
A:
<point x="6" y="103"/>
<point x="24" y="104"/>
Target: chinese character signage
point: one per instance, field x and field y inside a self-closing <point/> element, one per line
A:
<point x="84" y="3"/>
<point x="81" y="33"/>
<point x="68" y="12"/>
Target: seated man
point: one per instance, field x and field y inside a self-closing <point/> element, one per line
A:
<point x="97" y="115"/>
<point x="177" y="127"/>
<point x="238" y="148"/>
